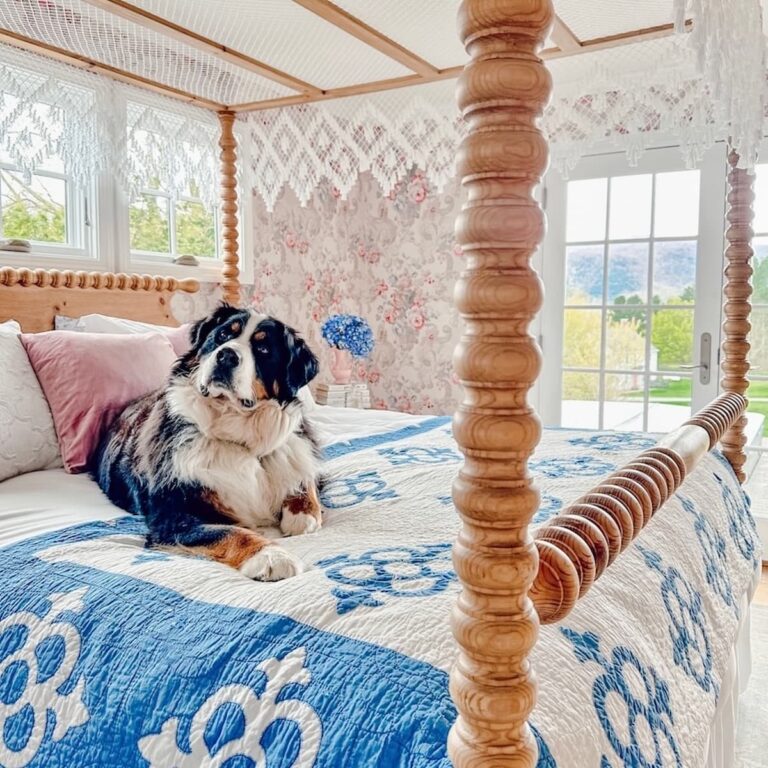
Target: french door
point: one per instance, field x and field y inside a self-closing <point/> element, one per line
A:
<point x="632" y="266"/>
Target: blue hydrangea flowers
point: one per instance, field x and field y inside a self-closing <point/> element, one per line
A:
<point x="349" y="332"/>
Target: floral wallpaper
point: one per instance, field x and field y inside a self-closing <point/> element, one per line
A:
<point x="393" y="260"/>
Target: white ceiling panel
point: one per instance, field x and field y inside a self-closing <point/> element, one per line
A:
<point x="589" y="19"/>
<point x="76" y="26"/>
<point x="426" y="27"/>
<point x="285" y="36"/>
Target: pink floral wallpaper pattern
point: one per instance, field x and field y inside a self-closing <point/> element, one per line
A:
<point x="392" y="260"/>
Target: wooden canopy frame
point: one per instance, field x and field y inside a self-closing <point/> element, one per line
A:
<point x="511" y="582"/>
<point x="566" y="44"/>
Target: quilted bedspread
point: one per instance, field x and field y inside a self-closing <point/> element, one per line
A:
<point x="115" y="655"/>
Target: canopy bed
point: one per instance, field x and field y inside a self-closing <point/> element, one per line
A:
<point x="513" y="575"/>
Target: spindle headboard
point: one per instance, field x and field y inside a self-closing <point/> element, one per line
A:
<point x="34" y="297"/>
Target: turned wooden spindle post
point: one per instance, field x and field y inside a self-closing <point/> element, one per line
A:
<point x="230" y="284"/>
<point x="502" y="93"/>
<point x="737" y="307"/>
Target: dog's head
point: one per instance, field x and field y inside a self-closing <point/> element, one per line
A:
<point x="247" y="357"/>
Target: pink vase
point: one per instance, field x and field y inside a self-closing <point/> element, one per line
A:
<point x="341" y="366"/>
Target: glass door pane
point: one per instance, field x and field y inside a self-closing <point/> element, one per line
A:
<point x="629" y="351"/>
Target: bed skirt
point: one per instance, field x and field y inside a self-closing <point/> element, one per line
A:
<point x="722" y="738"/>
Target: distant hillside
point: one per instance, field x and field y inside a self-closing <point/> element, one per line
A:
<point x="674" y="270"/>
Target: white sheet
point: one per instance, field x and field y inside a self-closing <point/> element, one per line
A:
<point x="39" y="502"/>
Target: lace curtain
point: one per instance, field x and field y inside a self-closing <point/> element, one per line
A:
<point x="53" y="114"/>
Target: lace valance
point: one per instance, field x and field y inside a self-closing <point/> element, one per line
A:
<point x="51" y="113"/>
<point x="693" y="88"/>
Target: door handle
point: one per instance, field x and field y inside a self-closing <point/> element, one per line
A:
<point x="705" y="355"/>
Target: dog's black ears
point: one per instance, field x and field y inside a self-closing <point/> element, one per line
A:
<point x="198" y="333"/>
<point x="303" y="365"/>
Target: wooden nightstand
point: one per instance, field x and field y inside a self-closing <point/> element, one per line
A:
<point x="343" y="395"/>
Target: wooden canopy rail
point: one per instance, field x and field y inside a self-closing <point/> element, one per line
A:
<point x="578" y="545"/>
<point x="566" y="44"/>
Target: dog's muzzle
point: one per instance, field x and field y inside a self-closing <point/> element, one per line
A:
<point x="227" y="361"/>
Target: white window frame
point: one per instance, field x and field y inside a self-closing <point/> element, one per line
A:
<point x="208" y="270"/>
<point x="173" y="253"/>
<point x="82" y="218"/>
<point x="105" y="242"/>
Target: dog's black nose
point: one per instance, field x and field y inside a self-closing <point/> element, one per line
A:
<point x="227" y="358"/>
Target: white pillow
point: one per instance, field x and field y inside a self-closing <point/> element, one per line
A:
<point x="106" y="324"/>
<point x="27" y="437"/>
<point x="178" y="336"/>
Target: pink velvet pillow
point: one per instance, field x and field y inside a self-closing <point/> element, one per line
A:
<point x="88" y="378"/>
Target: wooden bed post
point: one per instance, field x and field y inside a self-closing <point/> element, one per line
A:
<point x="230" y="284"/>
<point x="502" y="93"/>
<point x="737" y="307"/>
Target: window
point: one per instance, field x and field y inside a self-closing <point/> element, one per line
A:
<point x="44" y="209"/>
<point x="758" y="338"/>
<point x="165" y="226"/>
<point x="630" y="287"/>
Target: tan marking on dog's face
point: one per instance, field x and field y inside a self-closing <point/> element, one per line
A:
<point x="236" y="327"/>
<point x="259" y="390"/>
<point x="259" y="335"/>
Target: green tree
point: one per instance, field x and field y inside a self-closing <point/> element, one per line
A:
<point x="760" y="282"/>
<point x="30" y="213"/>
<point x="195" y="230"/>
<point x="672" y="335"/>
<point x="636" y="315"/>
<point x="149" y="224"/>
<point x="625" y="350"/>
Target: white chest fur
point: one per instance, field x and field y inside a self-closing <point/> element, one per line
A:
<point x="252" y="487"/>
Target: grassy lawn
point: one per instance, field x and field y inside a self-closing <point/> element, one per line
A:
<point x="678" y="392"/>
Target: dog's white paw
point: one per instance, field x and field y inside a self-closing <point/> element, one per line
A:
<point x="272" y="563"/>
<point x="296" y="524"/>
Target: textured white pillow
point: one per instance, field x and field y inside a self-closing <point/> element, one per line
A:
<point x="27" y="437"/>
<point x="106" y="324"/>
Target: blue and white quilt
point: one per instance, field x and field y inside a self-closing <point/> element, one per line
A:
<point x="116" y="656"/>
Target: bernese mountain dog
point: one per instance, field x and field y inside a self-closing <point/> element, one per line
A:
<point x="224" y="448"/>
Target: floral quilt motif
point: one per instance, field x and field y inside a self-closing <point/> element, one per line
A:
<point x="688" y="630"/>
<point x="38" y="656"/>
<point x="229" y="727"/>
<point x="607" y="442"/>
<point x="376" y="576"/>
<point x="643" y="734"/>
<point x="351" y="490"/>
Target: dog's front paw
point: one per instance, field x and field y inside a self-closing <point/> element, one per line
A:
<point x="301" y="513"/>
<point x="272" y="563"/>
<point x="298" y="523"/>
